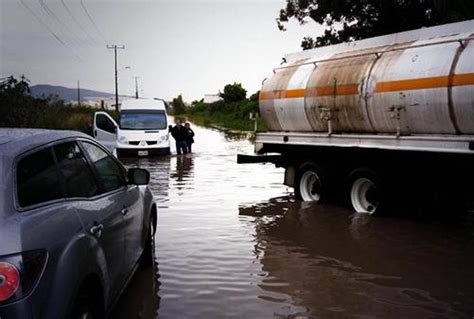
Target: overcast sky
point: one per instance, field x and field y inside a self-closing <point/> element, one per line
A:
<point x="189" y="47"/>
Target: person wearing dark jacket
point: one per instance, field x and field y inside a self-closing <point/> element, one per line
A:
<point x="88" y="128"/>
<point x="180" y="134"/>
<point x="190" y="136"/>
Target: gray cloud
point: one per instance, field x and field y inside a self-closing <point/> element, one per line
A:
<point x="187" y="47"/>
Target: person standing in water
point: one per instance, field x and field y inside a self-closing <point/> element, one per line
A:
<point x="180" y="134"/>
<point x="190" y="136"/>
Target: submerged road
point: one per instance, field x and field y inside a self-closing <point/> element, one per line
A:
<point x="233" y="243"/>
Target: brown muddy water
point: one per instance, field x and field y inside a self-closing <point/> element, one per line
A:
<point x="233" y="243"/>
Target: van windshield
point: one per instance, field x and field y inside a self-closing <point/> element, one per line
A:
<point x="143" y="120"/>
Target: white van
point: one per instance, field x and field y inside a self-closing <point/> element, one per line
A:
<point x="142" y="128"/>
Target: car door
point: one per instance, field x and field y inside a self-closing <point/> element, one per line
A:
<point x="98" y="207"/>
<point x="99" y="213"/>
<point x="134" y="218"/>
<point x="105" y="130"/>
<point x="124" y="200"/>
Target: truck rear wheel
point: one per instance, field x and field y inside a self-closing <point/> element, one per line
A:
<point x="310" y="183"/>
<point x="365" y="191"/>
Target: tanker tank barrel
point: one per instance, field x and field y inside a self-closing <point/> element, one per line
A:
<point x="426" y="75"/>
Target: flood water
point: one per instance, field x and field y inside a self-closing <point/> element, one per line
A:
<point x="233" y="243"/>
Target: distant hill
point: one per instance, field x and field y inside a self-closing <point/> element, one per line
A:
<point x="67" y="94"/>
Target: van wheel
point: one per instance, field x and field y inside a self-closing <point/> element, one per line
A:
<point x="310" y="183"/>
<point x="366" y="194"/>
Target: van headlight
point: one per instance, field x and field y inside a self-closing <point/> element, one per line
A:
<point x="123" y="140"/>
<point x="165" y="137"/>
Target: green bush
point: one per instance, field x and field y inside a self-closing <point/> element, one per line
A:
<point x="234" y="93"/>
<point x="231" y="115"/>
<point x="178" y="105"/>
<point x="19" y="109"/>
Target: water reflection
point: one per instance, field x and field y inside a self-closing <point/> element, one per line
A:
<point x="238" y="136"/>
<point x="141" y="299"/>
<point x="183" y="171"/>
<point x="337" y="264"/>
<point x="232" y="242"/>
<point x="159" y="168"/>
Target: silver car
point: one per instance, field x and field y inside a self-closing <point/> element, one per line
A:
<point x="74" y="225"/>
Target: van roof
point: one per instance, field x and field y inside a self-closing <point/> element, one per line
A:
<point x="143" y="104"/>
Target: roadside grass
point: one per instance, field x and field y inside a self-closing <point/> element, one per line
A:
<point x="225" y="116"/>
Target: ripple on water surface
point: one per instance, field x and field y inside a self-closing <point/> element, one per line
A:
<point x="232" y="242"/>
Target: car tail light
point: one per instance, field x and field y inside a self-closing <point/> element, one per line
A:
<point x="9" y="280"/>
<point x="19" y="274"/>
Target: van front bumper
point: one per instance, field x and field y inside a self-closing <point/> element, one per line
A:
<point x="134" y="152"/>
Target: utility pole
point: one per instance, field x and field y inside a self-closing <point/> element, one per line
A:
<point x="115" y="47"/>
<point x="78" y="93"/>
<point x="136" y="86"/>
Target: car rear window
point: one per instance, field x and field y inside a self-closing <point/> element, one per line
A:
<point x="38" y="179"/>
<point x="78" y="178"/>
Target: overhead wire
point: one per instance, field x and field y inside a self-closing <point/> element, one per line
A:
<point x="92" y="20"/>
<point x="61" y="23"/>
<point x="77" y="21"/>
<point x="56" y="36"/>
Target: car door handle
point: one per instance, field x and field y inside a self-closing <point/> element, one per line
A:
<point x="96" y="230"/>
<point x="124" y="211"/>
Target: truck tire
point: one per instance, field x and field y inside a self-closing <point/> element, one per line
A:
<point x="310" y="183"/>
<point x="366" y="191"/>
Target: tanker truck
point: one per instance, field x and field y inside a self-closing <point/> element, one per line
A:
<point x="376" y="123"/>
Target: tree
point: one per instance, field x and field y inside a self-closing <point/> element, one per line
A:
<point x="17" y="107"/>
<point x="254" y="97"/>
<point x="178" y="105"/>
<point x="348" y="20"/>
<point x="234" y="93"/>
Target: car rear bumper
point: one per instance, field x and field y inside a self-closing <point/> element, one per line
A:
<point x="19" y="309"/>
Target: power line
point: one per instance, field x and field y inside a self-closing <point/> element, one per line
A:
<point x="57" y="37"/>
<point x="77" y="21"/>
<point x="62" y="24"/>
<point x="91" y="19"/>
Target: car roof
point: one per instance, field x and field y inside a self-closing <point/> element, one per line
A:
<point x="14" y="141"/>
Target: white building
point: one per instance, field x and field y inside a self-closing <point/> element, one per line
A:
<point x="211" y="98"/>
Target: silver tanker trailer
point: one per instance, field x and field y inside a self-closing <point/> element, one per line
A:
<point x="375" y="123"/>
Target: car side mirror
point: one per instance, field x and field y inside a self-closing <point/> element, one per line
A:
<point x="138" y="176"/>
<point x="115" y="129"/>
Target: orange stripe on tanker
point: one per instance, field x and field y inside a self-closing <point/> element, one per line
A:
<point x="413" y="84"/>
<point x="381" y="87"/>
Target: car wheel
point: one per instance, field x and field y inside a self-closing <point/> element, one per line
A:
<point x="86" y="306"/>
<point x="146" y="259"/>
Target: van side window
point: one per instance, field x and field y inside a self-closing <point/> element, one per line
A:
<point x="110" y="173"/>
<point x="104" y="123"/>
<point x="37" y="179"/>
<point x="78" y="178"/>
